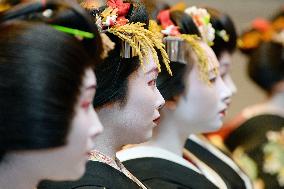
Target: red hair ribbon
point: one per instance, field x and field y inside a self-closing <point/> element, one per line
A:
<point x="123" y="8"/>
<point x="165" y="20"/>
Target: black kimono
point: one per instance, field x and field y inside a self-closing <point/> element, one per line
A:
<point x="160" y="173"/>
<point x="222" y="164"/>
<point x="251" y="137"/>
<point x="98" y="175"/>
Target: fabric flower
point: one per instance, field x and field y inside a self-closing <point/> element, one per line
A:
<point x="202" y="20"/>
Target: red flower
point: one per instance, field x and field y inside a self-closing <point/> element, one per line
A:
<point x="165" y="20"/>
<point x="122" y="7"/>
<point x="261" y="24"/>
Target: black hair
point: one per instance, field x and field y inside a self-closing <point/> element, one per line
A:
<point x="154" y="7"/>
<point x="41" y="71"/>
<point x="113" y="73"/>
<point x="266" y="65"/>
<point x="171" y="86"/>
<point x="221" y="21"/>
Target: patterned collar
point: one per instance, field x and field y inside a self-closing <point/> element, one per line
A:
<point x="115" y="163"/>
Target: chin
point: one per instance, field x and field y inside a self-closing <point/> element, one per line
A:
<point x="215" y="127"/>
<point x="212" y="126"/>
<point x="143" y="138"/>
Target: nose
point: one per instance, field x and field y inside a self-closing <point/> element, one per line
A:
<point x="96" y="125"/>
<point x="231" y="85"/>
<point x="160" y="99"/>
<point x="225" y="92"/>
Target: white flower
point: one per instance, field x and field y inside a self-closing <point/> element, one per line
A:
<point x="210" y="33"/>
<point x="168" y="30"/>
<point x="110" y="20"/>
<point x="201" y="19"/>
<point x="191" y="10"/>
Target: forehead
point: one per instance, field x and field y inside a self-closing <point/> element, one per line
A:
<point x="149" y="63"/>
<point x="212" y="59"/>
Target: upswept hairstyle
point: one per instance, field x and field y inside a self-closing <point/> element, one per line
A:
<point x="266" y="65"/>
<point x="113" y="73"/>
<point x="171" y="86"/>
<point x="263" y="44"/>
<point x="221" y="21"/>
<point x="41" y="71"/>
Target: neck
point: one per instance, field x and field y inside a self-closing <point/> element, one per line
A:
<point x="169" y="135"/>
<point x="277" y="99"/>
<point x="17" y="174"/>
<point x="107" y="144"/>
<point x="111" y="140"/>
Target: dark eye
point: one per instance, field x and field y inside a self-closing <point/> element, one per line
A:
<point x="223" y="75"/>
<point x="152" y="82"/>
<point x="213" y="80"/>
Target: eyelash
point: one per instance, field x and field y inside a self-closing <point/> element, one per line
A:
<point x="213" y="80"/>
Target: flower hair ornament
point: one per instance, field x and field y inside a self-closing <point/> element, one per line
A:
<point x="201" y="19"/>
<point x="176" y="44"/>
<point x="262" y="30"/>
<point x="137" y="41"/>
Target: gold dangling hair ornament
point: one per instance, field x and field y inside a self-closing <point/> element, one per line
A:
<point x="175" y="44"/>
<point x="141" y="41"/>
<point x="137" y="41"/>
<point x="192" y="40"/>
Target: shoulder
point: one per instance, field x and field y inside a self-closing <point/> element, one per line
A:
<point x="98" y="176"/>
<point x="247" y="130"/>
<point x="157" y="171"/>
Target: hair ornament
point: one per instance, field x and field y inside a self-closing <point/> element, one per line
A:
<point x="262" y="30"/>
<point x="176" y="44"/>
<point x="77" y="33"/>
<point x="201" y="18"/>
<point x="137" y="41"/>
<point x="201" y="56"/>
<point x="223" y="35"/>
<point x="168" y="26"/>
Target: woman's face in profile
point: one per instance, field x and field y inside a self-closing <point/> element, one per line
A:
<point x="203" y="105"/>
<point x="135" y="119"/>
<point x="68" y="162"/>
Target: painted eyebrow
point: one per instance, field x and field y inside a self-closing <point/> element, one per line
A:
<point x="153" y="70"/>
<point x="91" y="87"/>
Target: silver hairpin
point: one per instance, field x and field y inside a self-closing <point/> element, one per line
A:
<point x="126" y="50"/>
<point x="176" y="49"/>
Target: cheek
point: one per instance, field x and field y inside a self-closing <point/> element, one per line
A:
<point x="80" y="128"/>
<point x="201" y="96"/>
<point x="144" y="99"/>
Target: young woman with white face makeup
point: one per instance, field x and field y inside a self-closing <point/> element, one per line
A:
<point x="195" y="96"/>
<point x="197" y="147"/>
<point x="127" y="101"/>
<point x="40" y="125"/>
